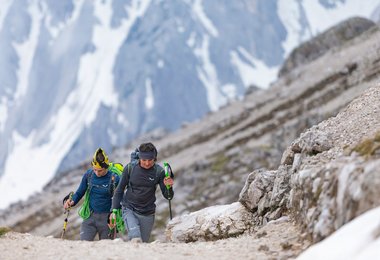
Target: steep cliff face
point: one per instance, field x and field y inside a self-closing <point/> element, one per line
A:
<point x="328" y="176"/>
<point x="212" y="157"/>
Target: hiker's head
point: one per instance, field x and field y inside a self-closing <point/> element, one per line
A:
<point x="147" y="155"/>
<point x="100" y="171"/>
<point x="100" y="160"/>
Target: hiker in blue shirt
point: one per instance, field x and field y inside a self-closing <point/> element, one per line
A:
<point x="99" y="183"/>
<point x="138" y="202"/>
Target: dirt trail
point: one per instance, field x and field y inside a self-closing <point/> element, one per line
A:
<point x="277" y="240"/>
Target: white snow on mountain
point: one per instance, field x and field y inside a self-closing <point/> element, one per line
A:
<point x="41" y="162"/>
<point x="149" y="100"/>
<point x="4" y="6"/>
<point x="251" y="69"/>
<point x="209" y="76"/>
<point x="206" y="22"/>
<point x="321" y="18"/>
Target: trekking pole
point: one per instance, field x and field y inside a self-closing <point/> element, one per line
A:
<point x="112" y="231"/>
<point x="67" y="212"/>
<point x="167" y="167"/>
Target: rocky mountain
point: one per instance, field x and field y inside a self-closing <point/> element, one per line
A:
<point x="81" y="74"/>
<point x="327" y="177"/>
<point x="212" y="158"/>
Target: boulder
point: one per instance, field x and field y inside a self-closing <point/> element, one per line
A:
<point x="212" y="223"/>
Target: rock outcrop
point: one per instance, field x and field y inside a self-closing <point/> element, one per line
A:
<point x="330" y="174"/>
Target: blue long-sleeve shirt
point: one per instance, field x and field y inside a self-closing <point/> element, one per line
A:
<point x="100" y="191"/>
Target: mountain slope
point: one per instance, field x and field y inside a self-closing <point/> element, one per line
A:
<point x="82" y="74"/>
<point x="212" y="157"/>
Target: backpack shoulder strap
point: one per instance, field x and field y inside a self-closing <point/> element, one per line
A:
<point x="159" y="170"/>
<point x="112" y="186"/>
<point x="89" y="179"/>
<point x="130" y="166"/>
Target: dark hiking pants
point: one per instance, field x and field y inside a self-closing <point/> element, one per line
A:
<point x="95" y="224"/>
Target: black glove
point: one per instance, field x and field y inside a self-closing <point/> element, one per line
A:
<point x="66" y="198"/>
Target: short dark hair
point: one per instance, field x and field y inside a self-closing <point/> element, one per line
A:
<point x="148" y="147"/>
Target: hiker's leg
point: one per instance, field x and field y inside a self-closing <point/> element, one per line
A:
<point x="131" y="223"/>
<point x="101" y="225"/>
<point x="146" y="225"/>
<point x="88" y="229"/>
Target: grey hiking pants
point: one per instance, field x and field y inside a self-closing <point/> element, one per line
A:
<point x="96" y="223"/>
<point x="137" y="225"/>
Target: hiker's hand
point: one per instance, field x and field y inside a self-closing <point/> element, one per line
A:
<point x="168" y="181"/>
<point x="112" y="220"/>
<point x="68" y="203"/>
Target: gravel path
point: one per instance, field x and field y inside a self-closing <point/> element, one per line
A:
<point x="276" y="240"/>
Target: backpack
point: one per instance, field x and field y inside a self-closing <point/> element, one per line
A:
<point x="84" y="211"/>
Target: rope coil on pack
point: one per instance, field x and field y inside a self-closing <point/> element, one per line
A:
<point x="84" y="211"/>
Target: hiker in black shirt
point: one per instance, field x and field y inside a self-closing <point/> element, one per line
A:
<point x="138" y="201"/>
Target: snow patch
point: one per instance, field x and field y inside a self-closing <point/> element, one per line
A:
<point x="181" y="29"/>
<point x="318" y="18"/>
<point x="229" y="90"/>
<point x="289" y="13"/>
<point x="122" y="120"/>
<point x="191" y="41"/>
<point x="4" y="7"/>
<point x="3" y="112"/>
<point x="208" y="76"/>
<point x="25" y="51"/>
<point x="38" y="164"/>
<point x="149" y="99"/>
<point x="112" y="136"/>
<point x="252" y="71"/>
<point x="206" y="22"/>
<point x="160" y="64"/>
<point x="321" y="18"/>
